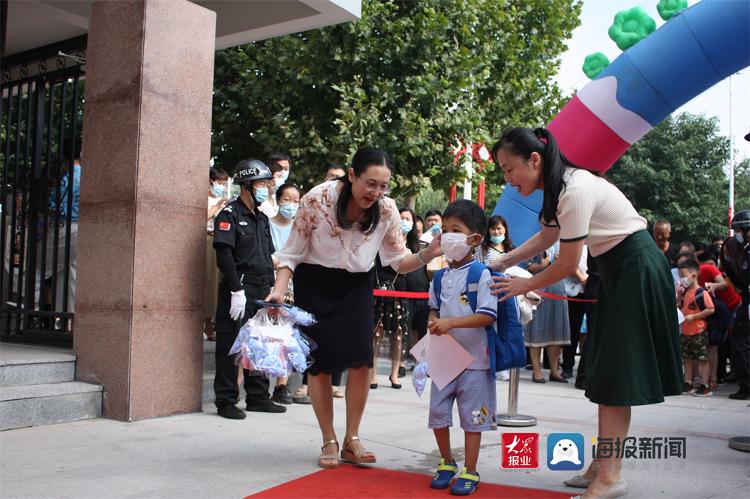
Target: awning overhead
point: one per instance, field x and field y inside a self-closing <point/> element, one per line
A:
<point x="35" y="23"/>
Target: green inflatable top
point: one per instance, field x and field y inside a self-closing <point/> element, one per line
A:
<point x="630" y="27"/>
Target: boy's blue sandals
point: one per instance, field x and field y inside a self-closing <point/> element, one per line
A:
<point x="466" y="484"/>
<point x="444" y="475"/>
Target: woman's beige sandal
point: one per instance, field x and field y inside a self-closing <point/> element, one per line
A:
<point x="361" y="457"/>
<point x="328" y="461"/>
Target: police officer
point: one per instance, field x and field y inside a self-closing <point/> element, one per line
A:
<point x="243" y="247"/>
<point x="735" y="262"/>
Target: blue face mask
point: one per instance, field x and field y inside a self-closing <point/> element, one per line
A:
<point x="218" y="190"/>
<point x="285" y="174"/>
<point x="435" y="229"/>
<point x="497" y="239"/>
<point x="261" y="194"/>
<point x="406" y="226"/>
<point x="288" y="210"/>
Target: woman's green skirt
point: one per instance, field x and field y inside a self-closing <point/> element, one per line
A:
<point x="633" y="355"/>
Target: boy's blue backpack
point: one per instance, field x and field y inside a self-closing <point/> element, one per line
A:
<point x="505" y="338"/>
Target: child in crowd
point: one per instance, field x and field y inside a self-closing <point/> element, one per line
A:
<point x="463" y="224"/>
<point x="694" y="328"/>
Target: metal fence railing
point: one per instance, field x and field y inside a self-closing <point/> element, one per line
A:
<point x="40" y="129"/>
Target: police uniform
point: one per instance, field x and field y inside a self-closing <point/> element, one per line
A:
<point x="247" y="233"/>
<point x="736" y="265"/>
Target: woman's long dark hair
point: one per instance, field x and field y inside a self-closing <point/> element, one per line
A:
<point x="522" y="142"/>
<point x="412" y="241"/>
<point x="494" y="222"/>
<point x="362" y="160"/>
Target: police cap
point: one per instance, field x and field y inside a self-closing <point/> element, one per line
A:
<point x="248" y="170"/>
<point x="741" y="219"/>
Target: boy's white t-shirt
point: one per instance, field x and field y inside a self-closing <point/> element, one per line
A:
<point x="453" y="286"/>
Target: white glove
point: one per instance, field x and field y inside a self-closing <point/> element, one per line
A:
<point x="237" y="307"/>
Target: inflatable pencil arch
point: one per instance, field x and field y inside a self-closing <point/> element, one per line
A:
<point x="696" y="49"/>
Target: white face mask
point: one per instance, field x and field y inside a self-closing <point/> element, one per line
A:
<point x="454" y="245"/>
<point x="739" y="238"/>
<point x="685" y="281"/>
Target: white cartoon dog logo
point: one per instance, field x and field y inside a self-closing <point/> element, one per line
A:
<point x="565" y="450"/>
<point x="477" y="418"/>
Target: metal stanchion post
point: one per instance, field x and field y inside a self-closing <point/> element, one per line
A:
<point x="512" y="418"/>
<point x="740" y="443"/>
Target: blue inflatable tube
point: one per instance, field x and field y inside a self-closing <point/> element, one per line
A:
<point x="696" y="49"/>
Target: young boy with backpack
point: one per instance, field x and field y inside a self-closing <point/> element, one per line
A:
<point x="694" y="328"/>
<point x="463" y="309"/>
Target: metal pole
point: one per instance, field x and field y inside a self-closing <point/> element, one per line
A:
<point x="512" y="418"/>
<point x="731" y="159"/>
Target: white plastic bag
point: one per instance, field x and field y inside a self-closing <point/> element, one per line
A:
<point x="271" y="346"/>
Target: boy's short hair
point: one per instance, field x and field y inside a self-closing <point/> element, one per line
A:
<point x="708" y="255"/>
<point x="469" y="213"/>
<point x="684" y="254"/>
<point x="691" y="264"/>
<point x="432" y="213"/>
<point x="279" y="156"/>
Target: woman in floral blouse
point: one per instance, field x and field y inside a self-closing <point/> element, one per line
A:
<point x="340" y="227"/>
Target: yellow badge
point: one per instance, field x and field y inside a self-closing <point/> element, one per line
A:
<point x="463" y="299"/>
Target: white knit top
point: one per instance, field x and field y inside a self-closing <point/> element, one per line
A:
<point x="592" y="208"/>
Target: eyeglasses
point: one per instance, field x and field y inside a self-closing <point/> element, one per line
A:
<point x="373" y="186"/>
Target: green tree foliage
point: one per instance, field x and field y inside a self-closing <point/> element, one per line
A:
<point x="676" y="172"/>
<point x="411" y="76"/>
<point x="742" y="186"/>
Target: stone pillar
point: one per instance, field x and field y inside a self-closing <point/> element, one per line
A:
<point x="146" y="149"/>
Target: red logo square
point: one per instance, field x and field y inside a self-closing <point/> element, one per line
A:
<point x="520" y="451"/>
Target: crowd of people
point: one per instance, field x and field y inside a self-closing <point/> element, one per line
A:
<point x="709" y="280"/>
<point x="651" y="318"/>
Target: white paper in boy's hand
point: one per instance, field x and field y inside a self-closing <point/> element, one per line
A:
<point x="680" y="316"/>
<point x="445" y="357"/>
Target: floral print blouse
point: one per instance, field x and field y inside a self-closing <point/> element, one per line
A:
<point x="318" y="239"/>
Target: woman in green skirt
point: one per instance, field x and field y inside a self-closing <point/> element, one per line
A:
<point x="633" y="355"/>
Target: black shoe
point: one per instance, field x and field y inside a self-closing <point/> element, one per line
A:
<point x="567" y="374"/>
<point x="265" y="406"/>
<point x="397" y="386"/>
<point x="230" y="412"/>
<point x="401" y="372"/>
<point x="540" y="380"/>
<point x="281" y="395"/>
<point x="740" y="395"/>
<point x="555" y="379"/>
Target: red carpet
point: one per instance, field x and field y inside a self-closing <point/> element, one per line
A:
<point x="351" y="481"/>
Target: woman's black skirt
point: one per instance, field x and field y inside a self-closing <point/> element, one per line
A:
<point x="633" y="356"/>
<point x="341" y="301"/>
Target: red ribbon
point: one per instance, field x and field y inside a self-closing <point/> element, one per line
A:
<point x="424" y="295"/>
<point x="400" y="294"/>
<point x="553" y="296"/>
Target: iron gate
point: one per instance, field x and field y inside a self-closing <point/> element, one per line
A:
<point x="40" y="128"/>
